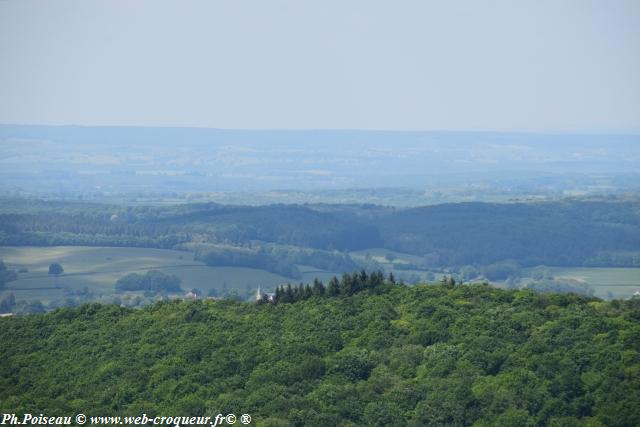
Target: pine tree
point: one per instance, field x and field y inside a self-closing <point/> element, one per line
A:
<point x="333" y="288"/>
<point x="356" y="284"/>
<point x="318" y="287"/>
<point x="376" y="279"/>
<point x="308" y="292"/>
<point x="288" y="293"/>
<point x="346" y="284"/>
<point x="364" y="279"/>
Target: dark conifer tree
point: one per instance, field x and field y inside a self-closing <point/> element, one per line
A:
<point x="288" y="293"/>
<point x="333" y="289"/>
<point x="376" y="279"/>
<point x="346" y="284"/>
<point x="356" y="284"/>
<point x="308" y="292"/>
<point x="364" y="279"/>
<point x="318" y="287"/>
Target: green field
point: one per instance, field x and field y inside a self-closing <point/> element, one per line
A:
<point x="98" y="268"/>
<point x="310" y="273"/>
<point x="607" y="282"/>
<point x="620" y="282"/>
<point x="380" y="254"/>
<point x="400" y="259"/>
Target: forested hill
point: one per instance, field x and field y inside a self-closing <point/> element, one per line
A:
<point x="564" y="233"/>
<point x="393" y="355"/>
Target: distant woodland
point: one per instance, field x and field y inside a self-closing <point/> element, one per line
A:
<point x="568" y="233"/>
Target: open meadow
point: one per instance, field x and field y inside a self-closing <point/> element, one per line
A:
<point x="98" y="268"/>
<point x="95" y="270"/>
<point x="607" y="282"/>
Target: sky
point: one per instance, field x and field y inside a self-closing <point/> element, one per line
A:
<point x="542" y="66"/>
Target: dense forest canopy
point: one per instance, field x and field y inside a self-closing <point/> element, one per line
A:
<point x="385" y="355"/>
<point x="568" y="233"/>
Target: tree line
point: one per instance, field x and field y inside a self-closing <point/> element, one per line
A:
<point x="349" y="284"/>
<point x="448" y="235"/>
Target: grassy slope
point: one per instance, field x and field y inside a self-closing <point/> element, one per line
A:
<point x="99" y="268"/>
<point x="620" y="282"/>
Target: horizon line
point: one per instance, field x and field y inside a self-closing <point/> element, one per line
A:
<point x="629" y="132"/>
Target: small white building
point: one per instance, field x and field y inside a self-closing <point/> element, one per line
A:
<point x="261" y="295"/>
<point x="191" y="295"/>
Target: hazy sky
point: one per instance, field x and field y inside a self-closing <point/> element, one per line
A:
<point x="460" y="65"/>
